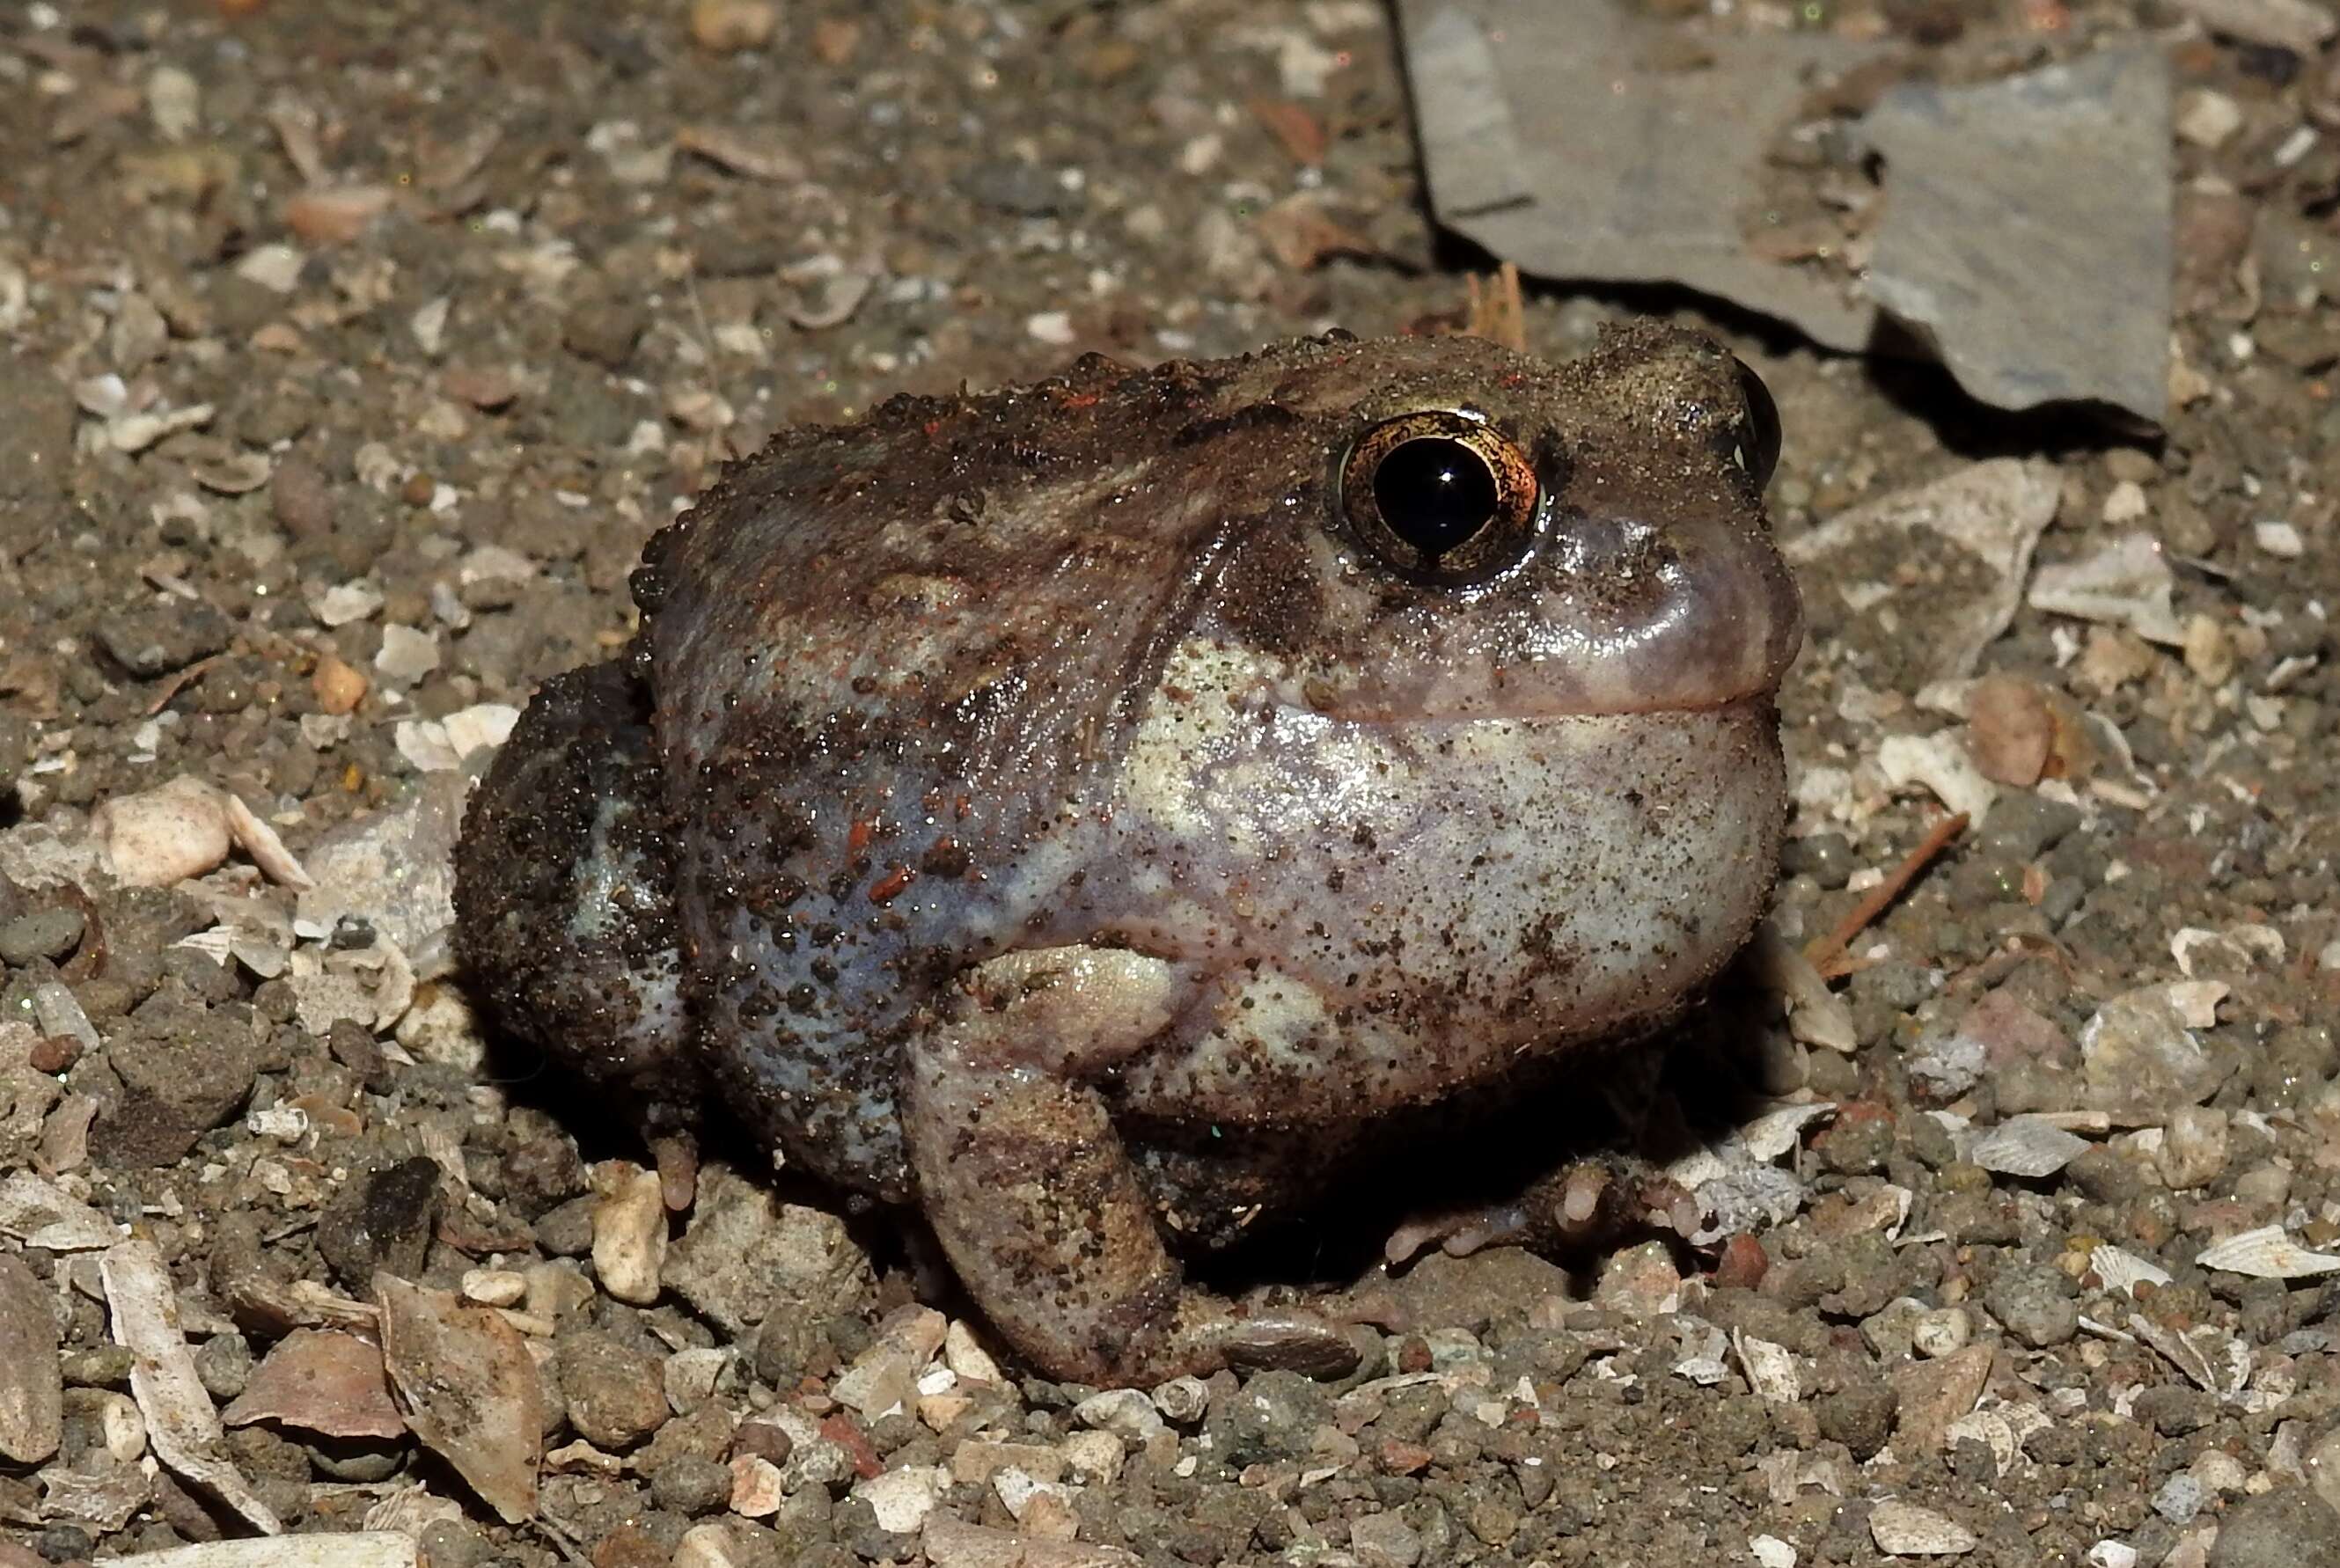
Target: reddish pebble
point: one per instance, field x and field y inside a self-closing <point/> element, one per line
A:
<point x="1404" y="1458"/>
<point x="1742" y="1265"/>
<point x="2010" y="729"/>
<point x="764" y="1440"/>
<point x="839" y="1429"/>
<point x="483" y="389"/>
<point x="630" y="1546"/>
<point x="53" y="1054"/>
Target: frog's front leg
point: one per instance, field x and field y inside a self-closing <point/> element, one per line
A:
<point x="1027" y="1185"/>
<point x="564" y="903"/>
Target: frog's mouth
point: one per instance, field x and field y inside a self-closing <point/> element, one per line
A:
<point x="1614" y="619"/>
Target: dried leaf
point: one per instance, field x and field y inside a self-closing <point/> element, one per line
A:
<point x="469" y="1389"/>
<point x="321" y="1381"/>
<point x="40" y="1214"/>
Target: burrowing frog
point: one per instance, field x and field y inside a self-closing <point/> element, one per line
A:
<point x="1092" y="812"/>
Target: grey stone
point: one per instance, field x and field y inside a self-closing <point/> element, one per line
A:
<point x="2283" y="1529"/>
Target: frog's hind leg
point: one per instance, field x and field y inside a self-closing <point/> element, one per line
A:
<point x="1027" y="1185"/>
<point x="564" y="913"/>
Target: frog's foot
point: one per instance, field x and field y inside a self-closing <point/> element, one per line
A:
<point x="1585" y="1206"/>
<point x="1027" y="1185"/>
<point x="564" y="920"/>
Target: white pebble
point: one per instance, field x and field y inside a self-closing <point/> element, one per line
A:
<point x="2125" y="503"/>
<point x="2208" y="119"/>
<point x="495" y="1287"/>
<point x="406" y="655"/>
<point x="628" y="1231"/>
<point x="1905" y="1530"/>
<point x="1942" y="1331"/>
<point x="2278" y="539"/>
<point x="184" y="829"/>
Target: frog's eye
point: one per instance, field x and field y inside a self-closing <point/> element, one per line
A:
<point x="1441" y="495"/>
<point x="1758" y="446"/>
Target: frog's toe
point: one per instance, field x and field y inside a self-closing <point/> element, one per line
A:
<point x="564" y="918"/>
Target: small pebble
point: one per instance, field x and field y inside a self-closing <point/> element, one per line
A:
<point x="2125" y="503"/>
<point x="756" y="1486"/>
<point x="2194" y="1147"/>
<point x="50" y="933"/>
<point x="1182" y="1400"/>
<point x="1905" y="1530"/>
<point x="2208" y="119"/>
<point x="406" y="655"/>
<point x="495" y="1287"/>
<point x="2278" y="539"/>
<point x="1942" y="1331"/>
<point x="628" y="1231"/>
<point x="53" y="1054"/>
<point x="728" y="26"/>
<point x="615" y="1393"/>
<point x="2286" y="1528"/>
<point x="2179" y="1499"/>
<point x="710" y="1546"/>
<point x="691" y="1483"/>
<point x="148" y="643"/>
<point x="2036" y="1303"/>
<point x="604" y="331"/>
<point x="1384" y="1541"/>
<point x="1124" y="1411"/>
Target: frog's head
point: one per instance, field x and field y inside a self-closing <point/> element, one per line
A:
<point x="1479" y="720"/>
<point x="1485" y="534"/>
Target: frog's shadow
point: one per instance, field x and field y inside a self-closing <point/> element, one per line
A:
<point x="1638" y="1105"/>
<point x="1643" y="1105"/>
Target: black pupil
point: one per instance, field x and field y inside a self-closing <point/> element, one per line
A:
<point x="1434" y="492"/>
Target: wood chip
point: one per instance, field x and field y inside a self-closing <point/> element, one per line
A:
<point x="359" y="1549"/>
<point x="32" y="1381"/>
<point x="179" y="1421"/>
<point x="757" y="157"/>
<point x="336" y="217"/>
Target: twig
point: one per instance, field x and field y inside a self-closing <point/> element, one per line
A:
<point x="562" y="1540"/>
<point x="1496" y="309"/>
<point x="181" y="679"/>
<point x="1822" y="952"/>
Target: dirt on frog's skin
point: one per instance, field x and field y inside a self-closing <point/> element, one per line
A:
<point x="353" y="350"/>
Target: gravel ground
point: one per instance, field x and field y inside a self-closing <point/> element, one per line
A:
<point x="355" y="350"/>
